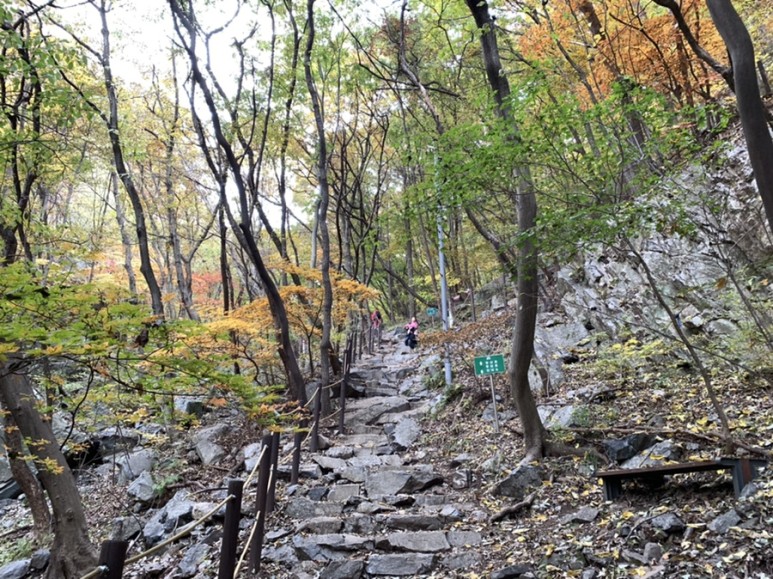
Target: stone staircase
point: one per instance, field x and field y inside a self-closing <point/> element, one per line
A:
<point x="372" y="504"/>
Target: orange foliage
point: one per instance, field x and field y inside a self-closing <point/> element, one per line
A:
<point x="593" y="43"/>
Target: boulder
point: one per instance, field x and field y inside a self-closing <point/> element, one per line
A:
<point x="519" y="481"/>
<point x="15" y="569"/>
<point x="405" y="433"/>
<point x="133" y="465"/>
<point x="194" y="556"/>
<point x="142" y="488"/>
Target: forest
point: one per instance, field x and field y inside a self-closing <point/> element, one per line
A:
<point x="207" y="200"/>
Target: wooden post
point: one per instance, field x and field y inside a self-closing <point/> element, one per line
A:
<point x="297" y="441"/>
<point x="233" y="512"/>
<point x="271" y="497"/>
<point x="112" y="556"/>
<point x="256" y="547"/>
<point x="314" y="441"/>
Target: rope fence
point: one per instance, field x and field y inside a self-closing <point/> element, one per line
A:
<point x="112" y="557"/>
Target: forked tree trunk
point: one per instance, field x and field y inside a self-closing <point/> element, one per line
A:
<point x="527" y="287"/>
<point x="72" y="554"/>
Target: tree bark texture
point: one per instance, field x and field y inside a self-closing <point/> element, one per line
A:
<point x="527" y="266"/>
<point x="325" y="347"/>
<point x="747" y="94"/>
<point x="72" y="554"/>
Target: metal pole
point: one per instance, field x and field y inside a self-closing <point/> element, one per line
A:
<point x="443" y="280"/>
<point x="494" y="402"/>
<point x="233" y="512"/>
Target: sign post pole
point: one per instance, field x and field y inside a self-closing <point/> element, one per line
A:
<point x="494" y="402"/>
<point x="488" y="366"/>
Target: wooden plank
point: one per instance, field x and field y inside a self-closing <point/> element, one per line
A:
<point x="743" y="471"/>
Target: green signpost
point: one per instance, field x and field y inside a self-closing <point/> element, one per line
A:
<point x="488" y="366"/>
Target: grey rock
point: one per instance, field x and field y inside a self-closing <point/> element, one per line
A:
<point x="749" y="490"/>
<point x="400" y="565"/>
<point x="209" y="452"/>
<point x="343" y="452"/>
<point x="329" y="547"/>
<point x="464" y="538"/>
<point x="141" y="488"/>
<point x="194" y="405"/>
<point x="393" y="482"/>
<point x="355" y="474"/>
<point x="584" y="515"/>
<point x="503" y="415"/>
<point x="589" y="573"/>
<point x="418" y="541"/>
<point x="311" y="471"/>
<point x="303" y="508"/>
<point x="619" y="450"/>
<point x="15" y="570"/>
<point x="519" y="481"/>
<point x="343" y="570"/>
<point x="369" y="410"/>
<point x="413" y="522"/>
<point x="40" y="559"/>
<point x="153" y="532"/>
<point x="317" y="493"/>
<point x="467" y="560"/>
<point x="205" y="441"/>
<point x="194" y="556"/>
<point x="654" y="455"/>
<point x="114" y="439"/>
<point x="360" y="523"/>
<point x="178" y="511"/>
<point x="669" y="523"/>
<point x="321" y="525"/>
<point x="512" y="571"/>
<point x="723" y="522"/>
<point x="405" y="433"/>
<point x="133" y="465"/>
<point x="653" y="552"/>
<point x="125" y="528"/>
<point x="328" y="463"/>
<point x="280" y="554"/>
<point x="342" y="493"/>
<point x="251" y="454"/>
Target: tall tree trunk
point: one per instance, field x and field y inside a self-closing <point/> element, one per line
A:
<point x="527" y="286"/>
<point x="126" y="241"/>
<point x="325" y="347"/>
<point x="146" y="267"/>
<point x="747" y="95"/>
<point x="185" y="19"/>
<point x="72" y="554"/>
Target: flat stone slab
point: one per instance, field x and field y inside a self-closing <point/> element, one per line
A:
<point x="401" y="565"/>
<point x="419" y="541"/>
<point x="321" y="525"/>
<point x="303" y="508"/>
<point x="464" y="538"/>
<point x="414" y="522"/>
<point x="342" y="493"/>
<point x="369" y="410"/>
<point x="328" y="463"/>
<point x="388" y="481"/>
